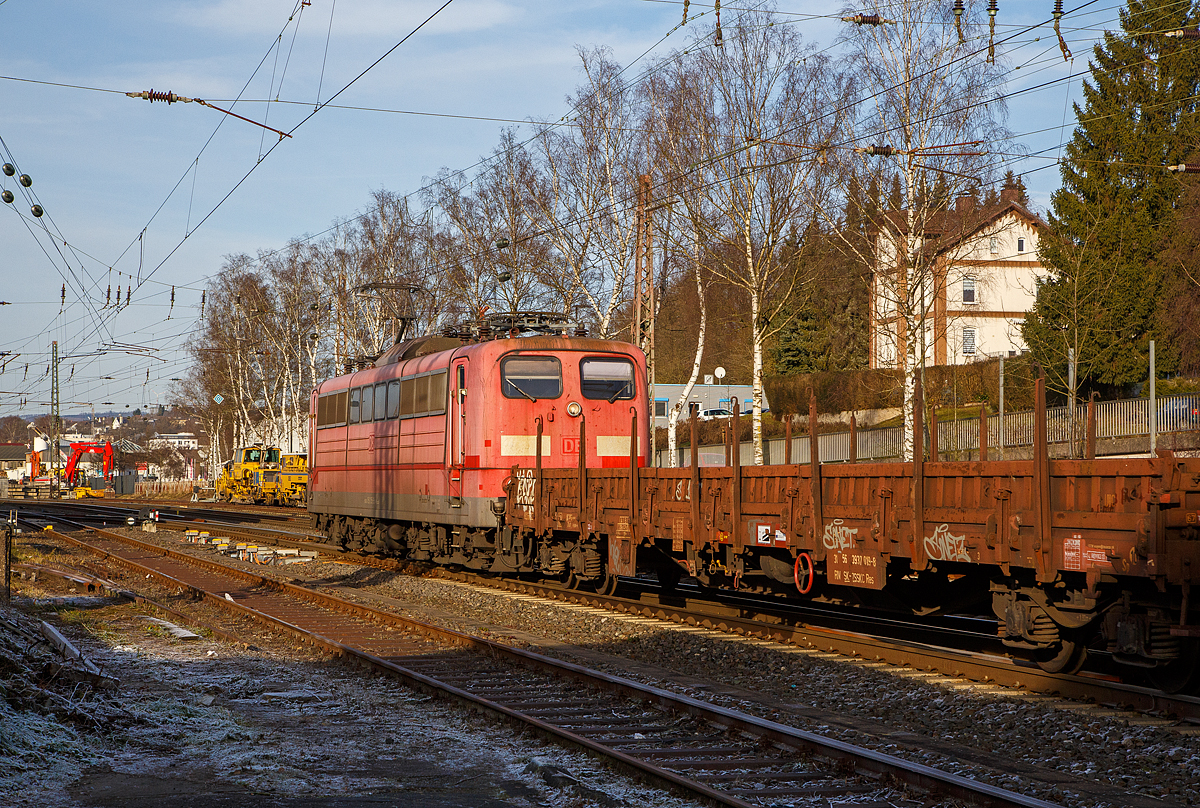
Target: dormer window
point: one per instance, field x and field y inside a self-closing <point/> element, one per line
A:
<point x="968" y="290"/>
<point x="1020" y="245"/>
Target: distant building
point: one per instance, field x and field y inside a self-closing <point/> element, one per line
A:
<point x="175" y="440"/>
<point x="702" y="397"/>
<point x="984" y="280"/>
<point x="12" y="460"/>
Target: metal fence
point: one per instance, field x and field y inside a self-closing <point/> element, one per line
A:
<point x="1125" y="418"/>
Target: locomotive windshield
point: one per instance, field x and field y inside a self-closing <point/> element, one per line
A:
<point x="531" y="377"/>
<point x="272" y="456"/>
<point x="608" y="379"/>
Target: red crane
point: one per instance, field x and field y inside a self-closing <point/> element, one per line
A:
<point x="78" y="450"/>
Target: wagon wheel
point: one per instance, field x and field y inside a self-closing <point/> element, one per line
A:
<point x="607" y="585"/>
<point x="668" y="574"/>
<point x="1067" y="658"/>
<point x="1182" y="675"/>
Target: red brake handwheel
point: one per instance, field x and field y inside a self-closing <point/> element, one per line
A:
<point x="805" y="560"/>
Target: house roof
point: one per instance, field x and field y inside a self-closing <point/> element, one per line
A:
<point x="13" y="451"/>
<point x="949" y="227"/>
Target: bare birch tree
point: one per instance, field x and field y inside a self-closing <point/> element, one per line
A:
<point x="931" y="106"/>
<point x="762" y="86"/>
<point x="487" y="244"/>
<point x="591" y="171"/>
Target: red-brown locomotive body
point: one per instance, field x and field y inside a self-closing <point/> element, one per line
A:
<point x="411" y="456"/>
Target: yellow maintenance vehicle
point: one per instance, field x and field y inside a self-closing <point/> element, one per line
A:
<point x="289" y="484"/>
<point x="242" y="476"/>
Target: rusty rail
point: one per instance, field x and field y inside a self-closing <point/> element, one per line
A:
<point x="265" y="600"/>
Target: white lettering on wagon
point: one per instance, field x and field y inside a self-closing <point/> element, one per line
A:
<point x="838" y="536"/>
<point x="525" y="488"/>
<point x="945" y="546"/>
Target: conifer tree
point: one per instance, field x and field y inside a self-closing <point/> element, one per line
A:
<point x="1117" y="203"/>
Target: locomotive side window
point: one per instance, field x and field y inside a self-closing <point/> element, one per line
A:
<point x="355" y="395"/>
<point x="393" y="399"/>
<point x="408" y="392"/>
<point x="365" y="407"/>
<point x="437" y="392"/>
<point x="531" y="377"/>
<point x="421" y="395"/>
<point x="608" y="379"/>
<point x="331" y="409"/>
<point x="380" y="401"/>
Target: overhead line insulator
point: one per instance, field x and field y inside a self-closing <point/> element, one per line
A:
<point x="1184" y="33"/>
<point x="171" y="98"/>
<point x="993" y="7"/>
<point x="155" y="95"/>
<point x="1185" y="168"/>
<point x="1062" y="43"/>
<point x="868" y="19"/>
<point x="878" y="151"/>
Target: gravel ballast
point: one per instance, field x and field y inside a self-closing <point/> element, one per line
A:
<point x="976" y="731"/>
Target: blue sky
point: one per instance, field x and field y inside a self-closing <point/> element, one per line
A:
<point x="123" y="180"/>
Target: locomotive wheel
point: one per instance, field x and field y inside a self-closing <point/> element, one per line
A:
<point x="1068" y="658"/>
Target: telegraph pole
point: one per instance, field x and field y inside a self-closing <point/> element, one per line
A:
<point x="54" y="416"/>
<point x="642" y="332"/>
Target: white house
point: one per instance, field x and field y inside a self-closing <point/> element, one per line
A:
<point x="982" y="278"/>
<point x="176" y="440"/>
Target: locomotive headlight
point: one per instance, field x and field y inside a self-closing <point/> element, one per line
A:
<point x="574" y="409"/>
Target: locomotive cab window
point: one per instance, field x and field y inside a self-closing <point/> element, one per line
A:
<point x="531" y="377"/>
<point x="608" y="379"/>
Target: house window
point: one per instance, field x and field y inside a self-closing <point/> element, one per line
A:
<point x="968" y="341"/>
<point x="994" y="245"/>
<point x="968" y="290"/>
<point x="1020" y="245"/>
<point x="660" y="408"/>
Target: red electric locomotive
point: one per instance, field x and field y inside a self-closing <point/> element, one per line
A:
<point x="411" y="457"/>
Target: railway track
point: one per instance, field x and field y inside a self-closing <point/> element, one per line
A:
<point x="710" y="752"/>
<point x="864" y="637"/>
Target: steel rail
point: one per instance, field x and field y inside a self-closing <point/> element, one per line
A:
<point x="94" y="582"/>
<point x="914" y="774"/>
<point x="981" y="667"/>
